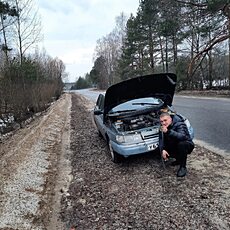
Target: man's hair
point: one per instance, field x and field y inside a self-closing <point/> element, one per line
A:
<point x="164" y="114"/>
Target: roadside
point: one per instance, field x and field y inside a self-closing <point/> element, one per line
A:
<point x="31" y="162"/>
<point x="205" y="93"/>
<point x="56" y="173"/>
<point x="139" y="194"/>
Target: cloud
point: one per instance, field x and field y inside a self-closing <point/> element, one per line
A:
<point x="71" y="29"/>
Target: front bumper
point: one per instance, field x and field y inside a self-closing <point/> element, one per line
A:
<point x="136" y="148"/>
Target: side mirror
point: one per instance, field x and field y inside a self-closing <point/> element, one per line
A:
<point x="98" y="112"/>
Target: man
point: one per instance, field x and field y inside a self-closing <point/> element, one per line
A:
<point x="177" y="142"/>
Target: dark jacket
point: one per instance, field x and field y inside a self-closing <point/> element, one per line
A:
<point x="177" y="132"/>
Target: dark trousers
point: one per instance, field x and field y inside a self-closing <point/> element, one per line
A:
<point x="180" y="152"/>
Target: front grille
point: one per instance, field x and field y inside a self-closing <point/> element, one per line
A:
<point x="148" y="134"/>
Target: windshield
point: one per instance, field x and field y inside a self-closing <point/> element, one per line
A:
<point x="137" y="104"/>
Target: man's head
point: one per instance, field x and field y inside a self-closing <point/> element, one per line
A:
<point x="165" y="119"/>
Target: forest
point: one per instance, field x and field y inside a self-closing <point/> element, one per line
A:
<point x="29" y="79"/>
<point x="186" y="37"/>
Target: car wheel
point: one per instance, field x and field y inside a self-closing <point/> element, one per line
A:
<point x="99" y="134"/>
<point x="115" y="157"/>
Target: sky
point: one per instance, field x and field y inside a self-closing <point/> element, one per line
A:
<point x="71" y="29"/>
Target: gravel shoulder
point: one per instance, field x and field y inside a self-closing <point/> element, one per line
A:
<point x="29" y="165"/>
<point x="56" y="173"/>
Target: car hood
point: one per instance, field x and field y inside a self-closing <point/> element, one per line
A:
<point x="154" y="85"/>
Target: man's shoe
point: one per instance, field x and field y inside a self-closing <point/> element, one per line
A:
<point x="182" y="172"/>
<point x="174" y="163"/>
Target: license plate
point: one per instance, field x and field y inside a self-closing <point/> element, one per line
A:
<point x="151" y="147"/>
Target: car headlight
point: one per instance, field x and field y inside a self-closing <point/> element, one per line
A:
<point x="128" y="138"/>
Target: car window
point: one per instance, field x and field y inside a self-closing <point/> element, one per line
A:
<point x="100" y="101"/>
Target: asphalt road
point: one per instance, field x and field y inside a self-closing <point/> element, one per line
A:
<point x="210" y="119"/>
<point x="208" y="116"/>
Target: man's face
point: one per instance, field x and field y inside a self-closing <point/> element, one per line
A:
<point x="166" y="120"/>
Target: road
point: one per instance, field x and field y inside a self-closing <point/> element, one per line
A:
<point x="209" y="117"/>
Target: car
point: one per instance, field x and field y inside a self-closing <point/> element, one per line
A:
<point x="127" y="116"/>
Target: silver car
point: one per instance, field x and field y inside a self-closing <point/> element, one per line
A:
<point x="127" y="116"/>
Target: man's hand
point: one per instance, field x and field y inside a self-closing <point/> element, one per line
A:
<point x="164" y="129"/>
<point x="165" y="155"/>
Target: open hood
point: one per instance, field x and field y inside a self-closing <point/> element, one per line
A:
<point x="154" y="85"/>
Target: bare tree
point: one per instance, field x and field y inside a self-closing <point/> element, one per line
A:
<point x="120" y="28"/>
<point x="7" y="17"/>
<point x="27" y="26"/>
<point x="110" y="46"/>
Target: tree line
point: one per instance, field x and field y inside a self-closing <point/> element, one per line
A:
<point x="188" y="37"/>
<point x="29" y="79"/>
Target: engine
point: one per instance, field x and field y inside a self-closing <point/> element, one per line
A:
<point x="136" y="123"/>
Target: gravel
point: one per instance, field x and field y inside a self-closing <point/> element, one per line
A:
<point x="139" y="193"/>
<point x="56" y="174"/>
<point x="29" y="160"/>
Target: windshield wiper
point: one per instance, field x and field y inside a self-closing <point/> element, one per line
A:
<point x="144" y="103"/>
<point x="123" y="111"/>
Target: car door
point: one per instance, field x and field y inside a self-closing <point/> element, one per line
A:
<point x="98" y="114"/>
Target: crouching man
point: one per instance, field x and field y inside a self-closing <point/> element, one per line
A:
<point x="177" y="141"/>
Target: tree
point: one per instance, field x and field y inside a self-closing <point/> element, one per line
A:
<point x="99" y="74"/>
<point x="212" y="8"/>
<point x="81" y="83"/>
<point x="168" y="35"/>
<point x="109" y="47"/>
<point x="149" y="15"/>
<point x="131" y="62"/>
<point x="7" y="13"/>
<point x="120" y="28"/>
<point x="27" y="26"/>
<point x="28" y="81"/>
<point x="169" y="31"/>
<point x="152" y="37"/>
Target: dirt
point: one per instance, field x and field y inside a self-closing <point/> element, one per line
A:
<point x="205" y="93"/>
<point x="56" y="173"/>
<point x="31" y="168"/>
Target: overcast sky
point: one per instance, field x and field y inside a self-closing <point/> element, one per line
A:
<point x="72" y="27"/>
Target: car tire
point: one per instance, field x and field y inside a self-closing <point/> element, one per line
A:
<point x="115" y="157"/>
<point x="99" y="134"/>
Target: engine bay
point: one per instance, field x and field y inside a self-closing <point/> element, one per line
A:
<point x="136" y="122"/>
